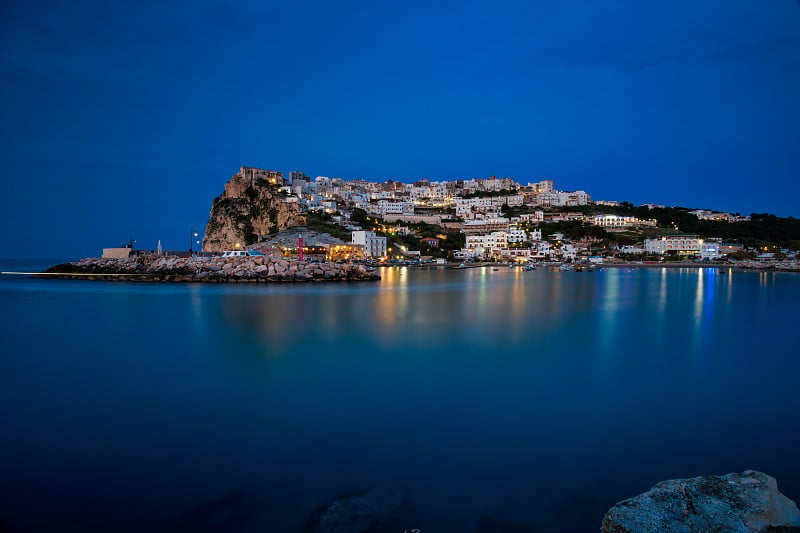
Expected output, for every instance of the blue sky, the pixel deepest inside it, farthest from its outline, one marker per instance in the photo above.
(125, 119)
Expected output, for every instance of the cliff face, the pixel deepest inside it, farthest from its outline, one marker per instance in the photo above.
(249, 208)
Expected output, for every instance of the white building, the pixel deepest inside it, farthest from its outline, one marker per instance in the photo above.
(489, 244)
(389, 207)
(484, 226)
(682, 244)
(630, 249)
(374, 246)
(569, 251)
(572, 198)
(561, 198)
(517, 235)
(543, 249)
(710, 251)
(541, 186)
(705, 214)
(492, 241)
(615, 222)
(465, 207)
(536, 216)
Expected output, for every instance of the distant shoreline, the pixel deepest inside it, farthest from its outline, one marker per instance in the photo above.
(748, 266)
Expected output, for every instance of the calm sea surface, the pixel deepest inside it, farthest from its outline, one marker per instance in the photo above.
(537, 397)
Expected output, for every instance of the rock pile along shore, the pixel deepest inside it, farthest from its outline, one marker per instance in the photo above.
(210, 270)
(737, 503)
(788, 266)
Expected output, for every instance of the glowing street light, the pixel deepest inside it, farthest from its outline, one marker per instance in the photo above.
(193, 240)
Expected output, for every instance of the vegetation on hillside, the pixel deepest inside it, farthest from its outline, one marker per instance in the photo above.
(762, 229)
(323, 223)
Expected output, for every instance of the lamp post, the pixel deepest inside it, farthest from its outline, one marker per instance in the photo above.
(192, 238)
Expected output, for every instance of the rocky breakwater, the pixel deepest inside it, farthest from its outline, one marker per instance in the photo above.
(785, 266)
(733, 503)
(210, 270)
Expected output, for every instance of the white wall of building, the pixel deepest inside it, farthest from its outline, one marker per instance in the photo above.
(676, 243)
(374, 246)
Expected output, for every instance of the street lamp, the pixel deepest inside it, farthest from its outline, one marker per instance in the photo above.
(193, 240)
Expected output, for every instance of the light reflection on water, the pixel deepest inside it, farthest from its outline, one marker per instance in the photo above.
(481, 392)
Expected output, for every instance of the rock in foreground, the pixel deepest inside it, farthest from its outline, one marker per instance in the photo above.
(377, 510)
(733, 503)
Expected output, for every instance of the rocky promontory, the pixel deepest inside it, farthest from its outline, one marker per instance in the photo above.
(250, 207)
(734, 503)
(264, 268)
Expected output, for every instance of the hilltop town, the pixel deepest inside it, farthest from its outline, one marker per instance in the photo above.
(480, 219)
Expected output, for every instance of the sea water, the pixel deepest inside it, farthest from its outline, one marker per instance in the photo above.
(538, 397)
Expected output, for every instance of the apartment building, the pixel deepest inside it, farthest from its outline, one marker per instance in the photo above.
(374, 246)
(681, 244)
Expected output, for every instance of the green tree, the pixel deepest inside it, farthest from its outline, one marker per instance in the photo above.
(359, 216)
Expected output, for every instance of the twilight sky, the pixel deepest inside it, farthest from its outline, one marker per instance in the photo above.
(124, 119)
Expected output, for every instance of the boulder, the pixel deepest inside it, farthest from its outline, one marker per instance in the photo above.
(734, 503)
(376, 510)
(237, 511)
(494, 525)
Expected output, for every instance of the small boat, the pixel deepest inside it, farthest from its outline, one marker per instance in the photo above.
(564, 268)
(528, 268)
(495, 269)
(241, 253)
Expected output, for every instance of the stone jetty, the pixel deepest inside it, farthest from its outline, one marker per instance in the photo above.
(737, 503)
(781, 266)
(253, 269)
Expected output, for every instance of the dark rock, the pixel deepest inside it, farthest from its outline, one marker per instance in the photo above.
(494, 525)
(733, 503)
(233, 512)
(64, 268)
(371, 511)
